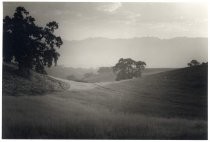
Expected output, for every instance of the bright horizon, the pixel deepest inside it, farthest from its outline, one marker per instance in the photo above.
(122, 20)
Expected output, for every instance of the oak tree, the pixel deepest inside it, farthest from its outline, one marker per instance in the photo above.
(30, 45)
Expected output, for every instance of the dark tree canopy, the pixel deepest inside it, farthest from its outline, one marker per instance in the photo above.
(28, 44)
(193, 63)
(128, 68)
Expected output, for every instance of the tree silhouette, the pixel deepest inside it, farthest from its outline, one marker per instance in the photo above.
(140, 65)
(193, 63)
(30, 45)
(128, 68)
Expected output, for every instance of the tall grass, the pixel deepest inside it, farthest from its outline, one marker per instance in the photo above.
(52, 117)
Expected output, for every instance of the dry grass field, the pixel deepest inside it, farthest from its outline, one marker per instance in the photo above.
(167, 105)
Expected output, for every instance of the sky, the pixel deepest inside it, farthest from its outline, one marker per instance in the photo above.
(79, 21)
(120, 20)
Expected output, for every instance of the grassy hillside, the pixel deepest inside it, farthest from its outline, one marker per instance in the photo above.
(167, 105)
(100, 77)
(180, 93)
(78, 74)
(65, 72)
(37, 84)
(110, 76)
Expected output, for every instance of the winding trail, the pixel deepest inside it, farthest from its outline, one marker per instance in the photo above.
(74, 85)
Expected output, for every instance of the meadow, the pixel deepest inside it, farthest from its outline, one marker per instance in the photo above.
(167, 105)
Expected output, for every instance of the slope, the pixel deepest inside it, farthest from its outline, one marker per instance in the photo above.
(37, 84)
(169, 105)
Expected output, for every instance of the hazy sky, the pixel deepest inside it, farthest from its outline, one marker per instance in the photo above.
(79, 21)
(120, 20)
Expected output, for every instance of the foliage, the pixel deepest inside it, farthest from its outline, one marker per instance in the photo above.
(204, 64)
(193, 63)
(31, 46)
(128, 68)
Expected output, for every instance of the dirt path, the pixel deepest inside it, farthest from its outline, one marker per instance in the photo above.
(74, 85)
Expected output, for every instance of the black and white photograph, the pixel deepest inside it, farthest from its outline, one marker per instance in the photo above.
(105, 70)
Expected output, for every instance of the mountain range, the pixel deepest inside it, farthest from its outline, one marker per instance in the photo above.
(156, 52)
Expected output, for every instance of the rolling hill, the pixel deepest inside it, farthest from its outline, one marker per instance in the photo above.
(65, 72)
(16, 85)
(78, 74)
(166, 105)
(110, 76)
